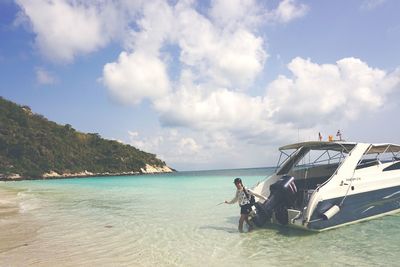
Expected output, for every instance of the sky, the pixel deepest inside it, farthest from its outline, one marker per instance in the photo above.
(207, 84)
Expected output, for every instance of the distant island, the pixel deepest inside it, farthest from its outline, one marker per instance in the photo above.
(32, 147)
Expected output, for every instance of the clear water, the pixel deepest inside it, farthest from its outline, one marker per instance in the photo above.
(173, 220)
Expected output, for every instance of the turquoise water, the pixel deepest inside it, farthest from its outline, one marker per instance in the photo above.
(173, 220)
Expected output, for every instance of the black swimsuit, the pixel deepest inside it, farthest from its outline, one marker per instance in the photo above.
(245, 209)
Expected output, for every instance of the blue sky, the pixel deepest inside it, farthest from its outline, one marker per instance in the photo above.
(207, 84)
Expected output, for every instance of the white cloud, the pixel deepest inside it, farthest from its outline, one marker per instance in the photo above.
(186, 149)
(288, 10)
(63, 29)
(213, 55)
(216, 110)
(372, 4)
(155, 28)
(44, 77)
(189, 144)
(220, 51)
(239, 59)
(136, 76)
(66, 28)
(318, 94)
(237, 13)
(315, 95)
(221, 55)
(170, 144)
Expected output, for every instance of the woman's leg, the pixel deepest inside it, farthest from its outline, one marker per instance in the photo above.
(248, 223)
(241, 220)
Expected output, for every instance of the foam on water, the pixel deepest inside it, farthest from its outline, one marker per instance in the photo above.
(27, 202)
(173, 220)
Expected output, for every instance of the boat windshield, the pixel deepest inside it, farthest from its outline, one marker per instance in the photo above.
(311, 165)
(284, 156)
(313, 161)
(315, 158)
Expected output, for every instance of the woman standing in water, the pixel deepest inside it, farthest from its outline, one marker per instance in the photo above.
(243, 196)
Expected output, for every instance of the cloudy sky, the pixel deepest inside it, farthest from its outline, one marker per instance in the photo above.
(207, 84)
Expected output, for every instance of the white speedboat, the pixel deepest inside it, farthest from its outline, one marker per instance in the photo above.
(323, 185)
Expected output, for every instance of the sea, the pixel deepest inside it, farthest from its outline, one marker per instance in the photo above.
(171, 220)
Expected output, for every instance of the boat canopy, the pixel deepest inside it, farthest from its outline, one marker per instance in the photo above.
(342, 146)
(321, 145)
(384, 148)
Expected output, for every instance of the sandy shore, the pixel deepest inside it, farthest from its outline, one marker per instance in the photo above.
(16, 228)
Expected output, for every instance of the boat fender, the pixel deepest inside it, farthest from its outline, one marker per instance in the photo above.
(330, 212)
(324, 206)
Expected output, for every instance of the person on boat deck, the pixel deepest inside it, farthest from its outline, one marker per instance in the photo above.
(243, 197)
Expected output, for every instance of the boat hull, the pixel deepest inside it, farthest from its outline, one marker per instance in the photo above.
(356, 208)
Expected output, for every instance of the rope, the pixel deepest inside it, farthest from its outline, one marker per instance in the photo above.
(348, 188)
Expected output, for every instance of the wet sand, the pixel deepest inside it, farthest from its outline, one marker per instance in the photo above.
(16, 228)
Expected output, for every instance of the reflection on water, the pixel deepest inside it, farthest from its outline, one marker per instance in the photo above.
(170, 220)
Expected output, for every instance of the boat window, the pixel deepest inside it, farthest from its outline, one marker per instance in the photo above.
(392, 167)
(376, 155)
(284, 156)
(293, 159)
(367, 163)
(313, 163)
(320, 158)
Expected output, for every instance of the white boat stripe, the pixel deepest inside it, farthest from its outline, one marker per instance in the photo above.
(395, 193)
(368, 209)
(361, 220)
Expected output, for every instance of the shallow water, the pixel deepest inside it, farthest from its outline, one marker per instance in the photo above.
(172, 220)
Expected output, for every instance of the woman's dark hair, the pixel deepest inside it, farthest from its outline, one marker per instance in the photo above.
(237, 181)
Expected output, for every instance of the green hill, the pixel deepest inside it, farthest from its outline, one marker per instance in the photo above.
(31, 145)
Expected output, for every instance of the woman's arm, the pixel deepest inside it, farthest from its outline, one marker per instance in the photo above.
(234, 200)
(257, 195)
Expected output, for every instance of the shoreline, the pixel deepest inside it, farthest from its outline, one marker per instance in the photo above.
(51, 175)
(77, 176)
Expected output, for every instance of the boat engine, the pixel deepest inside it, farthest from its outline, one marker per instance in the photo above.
(282, 197)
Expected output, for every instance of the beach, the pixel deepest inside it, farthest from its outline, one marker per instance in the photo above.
(17, 229)
(168, 220)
